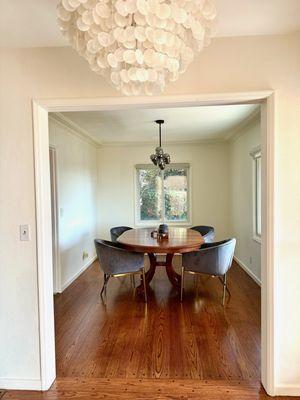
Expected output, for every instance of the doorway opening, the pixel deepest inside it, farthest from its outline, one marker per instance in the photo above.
(209, 288)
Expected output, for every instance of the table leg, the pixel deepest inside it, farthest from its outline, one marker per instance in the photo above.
(149, 274)
(174, 278)
(151, 271)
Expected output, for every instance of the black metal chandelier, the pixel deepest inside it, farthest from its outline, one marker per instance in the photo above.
(160, 159)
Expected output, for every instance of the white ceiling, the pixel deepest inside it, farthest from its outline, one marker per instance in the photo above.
(32, 23)
(189, 124)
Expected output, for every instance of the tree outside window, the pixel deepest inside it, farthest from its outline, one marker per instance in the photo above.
(163, 196)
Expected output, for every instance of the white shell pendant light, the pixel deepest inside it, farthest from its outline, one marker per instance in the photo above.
(138, 45)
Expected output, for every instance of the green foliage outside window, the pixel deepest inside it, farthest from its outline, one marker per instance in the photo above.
(163, 192)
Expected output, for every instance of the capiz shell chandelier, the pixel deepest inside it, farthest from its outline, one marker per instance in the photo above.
(138, 45)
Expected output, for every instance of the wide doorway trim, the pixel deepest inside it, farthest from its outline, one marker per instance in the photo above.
(42, 107)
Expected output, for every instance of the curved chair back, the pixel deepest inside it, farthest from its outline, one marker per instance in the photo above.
(115, 260)
(208, 232)
(211, 258)
(117, 231)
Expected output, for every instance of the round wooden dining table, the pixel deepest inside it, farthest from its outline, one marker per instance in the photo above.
(180, 240)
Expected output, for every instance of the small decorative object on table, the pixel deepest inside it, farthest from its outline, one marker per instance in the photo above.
(161, 233)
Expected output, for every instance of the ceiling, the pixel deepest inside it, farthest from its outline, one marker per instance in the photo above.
(188, 124)
(32, 23)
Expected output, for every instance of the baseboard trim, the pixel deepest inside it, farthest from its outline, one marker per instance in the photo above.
(82, 269)
(288, 390)
(247, 270)
(20, 384)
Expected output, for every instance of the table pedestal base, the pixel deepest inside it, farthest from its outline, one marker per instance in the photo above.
(174, 278)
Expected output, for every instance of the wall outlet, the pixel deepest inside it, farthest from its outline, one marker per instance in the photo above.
(85, 255)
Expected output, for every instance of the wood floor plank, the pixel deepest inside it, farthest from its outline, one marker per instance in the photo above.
(124, 338)
(122, 348)
(146, 389)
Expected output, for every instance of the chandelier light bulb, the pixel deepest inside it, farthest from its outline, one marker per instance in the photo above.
(158, 39)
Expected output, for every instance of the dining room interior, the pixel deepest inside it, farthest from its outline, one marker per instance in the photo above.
(156, 217)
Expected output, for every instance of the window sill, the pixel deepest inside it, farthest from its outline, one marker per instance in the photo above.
(157, 223)
(257, 239)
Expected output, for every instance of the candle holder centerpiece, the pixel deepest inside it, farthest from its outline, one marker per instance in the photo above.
(162, 233)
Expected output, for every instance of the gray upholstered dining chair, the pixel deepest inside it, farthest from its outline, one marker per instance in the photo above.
(115, 261)
(208, 232)
(117, 231)
(211, 259)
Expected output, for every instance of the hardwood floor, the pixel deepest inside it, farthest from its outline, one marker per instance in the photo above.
(197, 349)
(125, 338)
(146, 389)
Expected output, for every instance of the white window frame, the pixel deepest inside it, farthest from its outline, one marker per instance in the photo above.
(149, 223)
(256, 155)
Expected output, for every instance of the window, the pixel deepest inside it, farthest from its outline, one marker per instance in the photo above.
(256, 154)
(162, 196)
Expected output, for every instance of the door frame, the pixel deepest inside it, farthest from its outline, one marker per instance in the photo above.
(55, 221)
(41, 108)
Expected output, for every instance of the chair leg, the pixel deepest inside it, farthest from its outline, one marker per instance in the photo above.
(182, 283)
(132, 281)
(106, 279)
(224, 289)
(144, 284)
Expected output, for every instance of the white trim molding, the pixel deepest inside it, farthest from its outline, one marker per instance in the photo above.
(251, 120)
(288, 390)
(78, 273)
(44, 246)
(42, 107)
(75, 129)
(20, 384)
(247, 270)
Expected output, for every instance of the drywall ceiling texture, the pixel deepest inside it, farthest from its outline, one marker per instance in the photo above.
(188, 124)
(228, 65)
(32, 23)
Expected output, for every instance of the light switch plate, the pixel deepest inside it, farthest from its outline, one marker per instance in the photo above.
(24, 233)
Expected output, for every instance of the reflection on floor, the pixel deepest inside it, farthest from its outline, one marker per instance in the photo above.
(124, 338)
(125, 349)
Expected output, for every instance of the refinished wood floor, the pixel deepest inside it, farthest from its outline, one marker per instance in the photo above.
(197, 349)
(125, 338)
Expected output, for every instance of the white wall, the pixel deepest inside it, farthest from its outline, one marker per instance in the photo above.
(241, 184)
(228, 65)
(77, 183)
(209, 165)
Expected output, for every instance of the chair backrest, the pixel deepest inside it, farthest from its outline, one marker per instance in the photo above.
(208, 232)
(117, 231)
(114, 259)
(211, 258)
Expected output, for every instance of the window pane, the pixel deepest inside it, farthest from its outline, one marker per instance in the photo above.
(150, 190)
(176, 196)
(258, 196)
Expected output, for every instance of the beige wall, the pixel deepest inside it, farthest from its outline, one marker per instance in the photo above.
(209, 173)
(228, 65)
(77, 182)
(247, 249)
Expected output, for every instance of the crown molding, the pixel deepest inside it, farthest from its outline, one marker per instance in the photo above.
(253, 118)
(165, 144)
(230, 135)
(75, 129)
